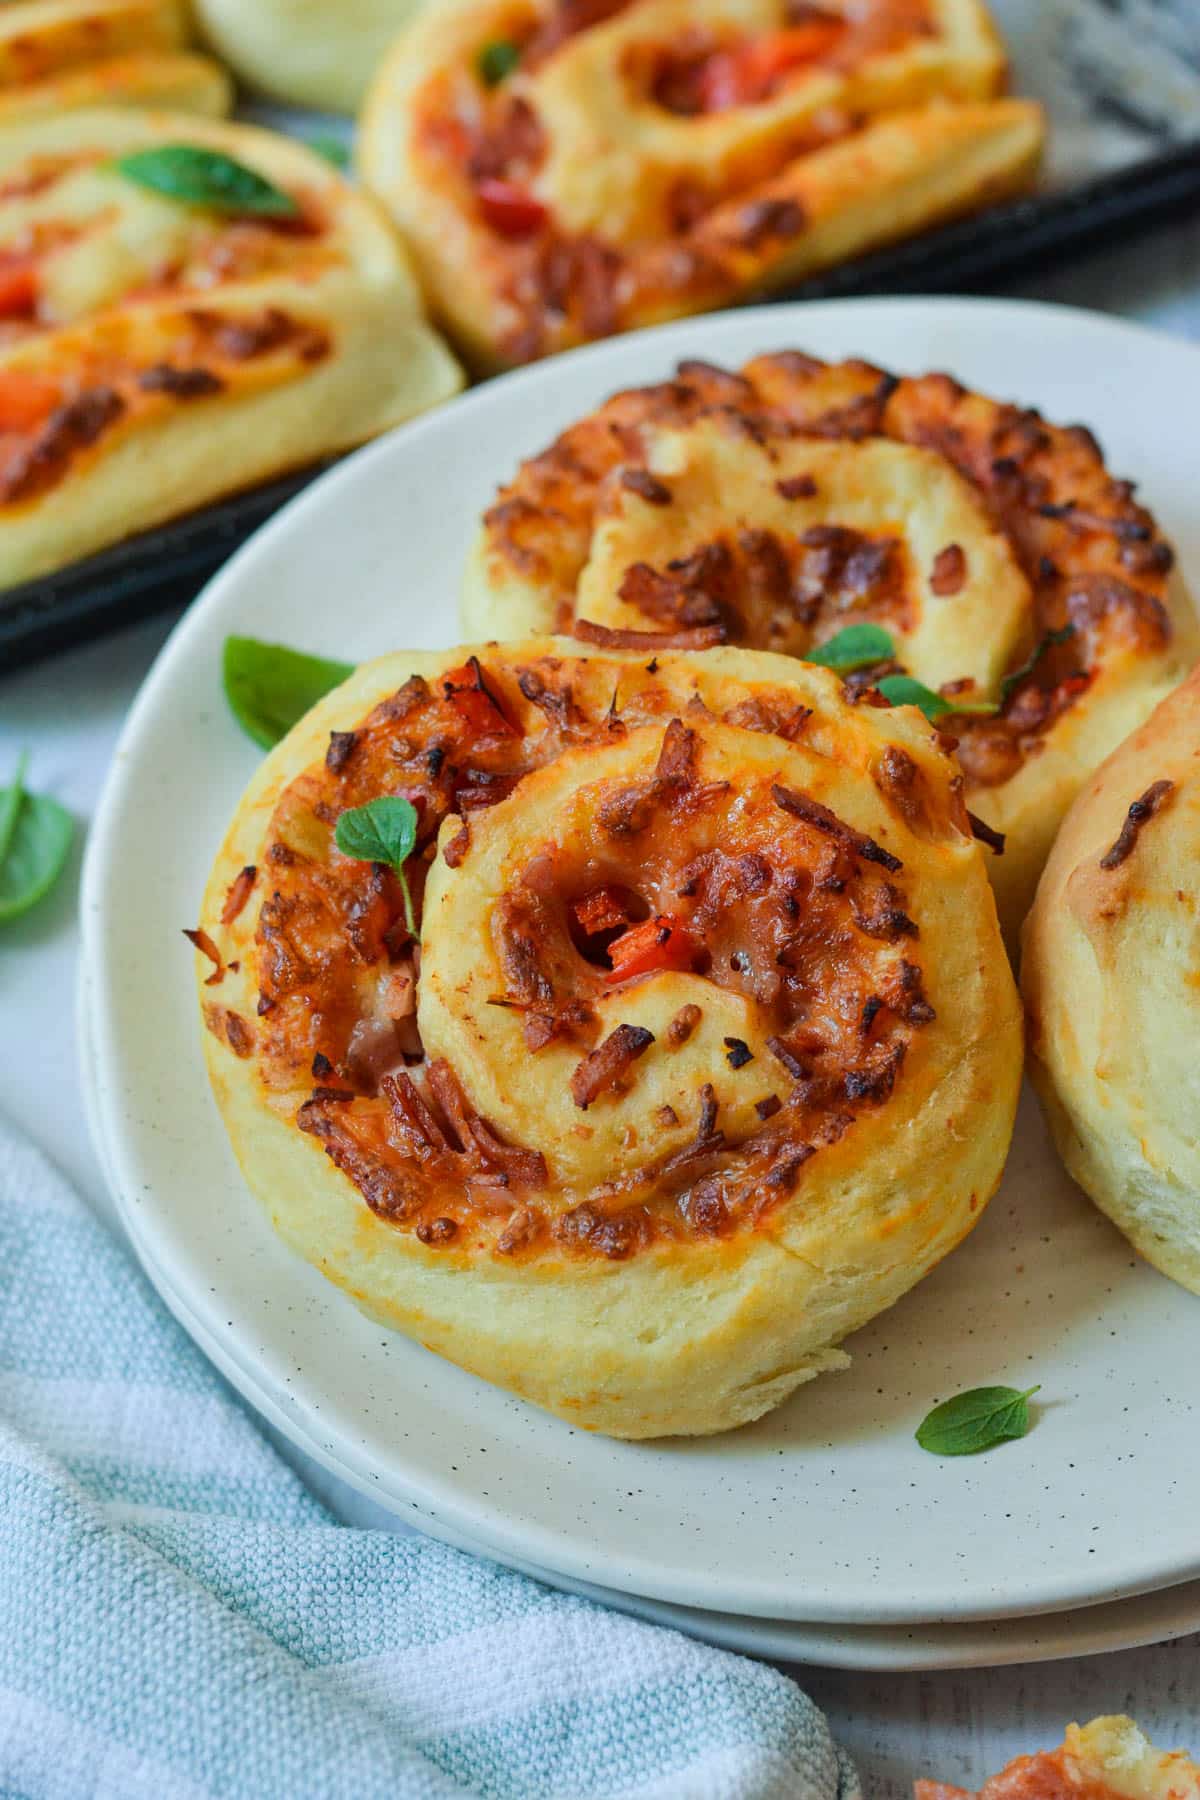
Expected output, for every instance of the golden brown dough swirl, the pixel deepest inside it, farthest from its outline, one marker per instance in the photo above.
(1111, 975)
(566, 169)
(777, 505)
(706, 1048)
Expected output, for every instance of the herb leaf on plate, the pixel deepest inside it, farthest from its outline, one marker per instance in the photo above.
(382, 831)
(270, 687)
(976, 1420)
(857, 647)
(35, 837)
(197, 176)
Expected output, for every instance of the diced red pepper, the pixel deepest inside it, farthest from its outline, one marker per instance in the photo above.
(18, 290)
(750, 73)
(655, 944)
(509, 209)
(601, 910)
(479, 707)
(26, 401)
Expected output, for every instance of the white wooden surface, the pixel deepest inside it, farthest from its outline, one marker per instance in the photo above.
(957, 1726)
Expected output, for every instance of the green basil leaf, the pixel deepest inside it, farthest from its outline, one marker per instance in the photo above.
(199, 177)
(10, 804)
(270, 687)
(1013, 681)
(857, 647)
(497, 60)
(906, 690)
(38, 840)
(382, 831)
(975, 1421)
(335, 150)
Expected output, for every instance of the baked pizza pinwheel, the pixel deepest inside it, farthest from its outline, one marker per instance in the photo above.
(1002, 565)
(566, 169)
(310, 52)
(628, 1029)
(186, 307)
(60, 54)
(1110, 975)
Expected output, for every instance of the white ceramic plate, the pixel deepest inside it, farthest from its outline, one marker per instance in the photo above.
(826, 1509)
(1120, 1625)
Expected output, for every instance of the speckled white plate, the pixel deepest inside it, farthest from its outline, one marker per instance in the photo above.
(1151, 1618)
(826, 1509)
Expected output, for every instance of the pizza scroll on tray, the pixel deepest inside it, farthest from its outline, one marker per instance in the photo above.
(697, 1049)
(566, 169)
(59, 54)
(157, 353)
(777, 506)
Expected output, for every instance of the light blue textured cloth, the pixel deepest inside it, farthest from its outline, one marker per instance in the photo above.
(180, 1618)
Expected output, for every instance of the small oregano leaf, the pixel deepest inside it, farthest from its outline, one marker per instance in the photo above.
(975, 1421)
(196, 176)
(35, 837)
(382, 831)
(270, 687)
(497, 60)
(906, 690)
(857, 647)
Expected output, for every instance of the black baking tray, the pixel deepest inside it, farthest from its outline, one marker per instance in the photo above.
(166, 567)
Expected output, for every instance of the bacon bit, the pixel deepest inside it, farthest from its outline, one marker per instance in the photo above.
(655, 945)
(703, 638)
(689, 595)
(761, 220)
(704, 1209)
(389, 1193)
(242, 339)
(71, 427)
(206, 947)
(181, 384)
(455, 849)
(949, 571)
(707, 1141)
(334, 1096)
(797, 487)
(467, 690)
(18, 290)
(813, 813)
(601, 910)
(437, 1231)
(605, 1065)
(321, 1066)
(240, 889)
(521, 1230)
(647, 486)
(615, 1236)
(1140, 812)
(874, 1081)
(239, 1035)
(737, 1052)
(986, 834)
(557, 706)
(683, 1024)
(785, 1053)
(418, 1129)
(667, 1116)
(342, 745)
(766, 1109)
(510, 210)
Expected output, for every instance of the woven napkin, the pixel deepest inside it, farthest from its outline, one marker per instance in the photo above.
(180, 1617)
